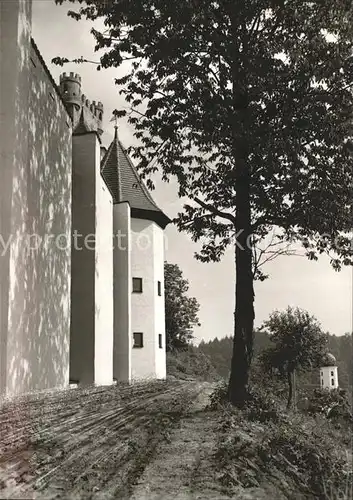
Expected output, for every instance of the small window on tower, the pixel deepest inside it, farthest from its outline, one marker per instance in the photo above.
(331, 374)
(159, 286)
(160, 341)
(322, 381)
(332, 381)
(137, 285)
(138, 339)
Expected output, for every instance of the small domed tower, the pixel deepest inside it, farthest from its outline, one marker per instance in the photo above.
(70, 90)
(329, 372)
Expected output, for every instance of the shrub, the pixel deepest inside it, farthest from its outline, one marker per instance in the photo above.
(219, 396)
(190, 363)
(314, 462)
(285, 452)
(333, 405)
(262, 405)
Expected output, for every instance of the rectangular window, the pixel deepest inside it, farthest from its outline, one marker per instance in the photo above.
(160, 341)
(138, 339)
(159, 286)
(332, 381)
(322, 381)
(137, 285)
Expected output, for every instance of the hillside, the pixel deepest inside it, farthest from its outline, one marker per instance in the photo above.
(164, 440)
(219, 353)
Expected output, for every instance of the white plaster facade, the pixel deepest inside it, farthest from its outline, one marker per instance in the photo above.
(122, 292)
(104, 305)
(147, 308)
(35, 214)
(91, 339)
(329, 377)
(67, 310)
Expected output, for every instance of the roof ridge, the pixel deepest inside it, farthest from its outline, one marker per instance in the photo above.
(117, 142)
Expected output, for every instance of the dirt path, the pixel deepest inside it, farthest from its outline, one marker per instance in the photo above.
(144, 442)
(83, 443)
(98, 443)
(181, 467)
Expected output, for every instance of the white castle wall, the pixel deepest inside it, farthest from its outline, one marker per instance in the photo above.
(122, 292)
(147, 308)
(91, 341)
(35, 212)
(104, 307)
(159, 312)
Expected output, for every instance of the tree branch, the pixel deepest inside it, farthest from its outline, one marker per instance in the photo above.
(215, 211)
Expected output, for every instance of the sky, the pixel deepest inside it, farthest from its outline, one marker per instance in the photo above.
(294, 281)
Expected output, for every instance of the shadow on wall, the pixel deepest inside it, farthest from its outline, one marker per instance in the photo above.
(40, 260)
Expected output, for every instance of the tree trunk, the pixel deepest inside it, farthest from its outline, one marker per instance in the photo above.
(244, 287)
(290, 390)
(244, 292)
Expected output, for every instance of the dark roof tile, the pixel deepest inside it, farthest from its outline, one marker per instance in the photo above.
(124, 183)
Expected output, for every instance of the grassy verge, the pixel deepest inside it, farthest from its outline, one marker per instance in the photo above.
(300, 456)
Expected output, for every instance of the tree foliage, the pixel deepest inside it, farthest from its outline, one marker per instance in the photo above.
(299, 344)
(180, 310)
(248, 105)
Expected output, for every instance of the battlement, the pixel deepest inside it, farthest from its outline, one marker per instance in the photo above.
(96, 108)
(71, 77)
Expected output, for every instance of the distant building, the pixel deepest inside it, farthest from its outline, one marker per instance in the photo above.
(329, 373)
(81, 239)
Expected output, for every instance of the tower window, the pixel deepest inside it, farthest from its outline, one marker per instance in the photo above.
(332, 381)
(331, 374)
(322, 381)
(138, 339)
(137, 285)
(160, 341)
(159, 287)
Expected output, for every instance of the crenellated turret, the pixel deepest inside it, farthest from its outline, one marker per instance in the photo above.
(70, 90)
(88, 114)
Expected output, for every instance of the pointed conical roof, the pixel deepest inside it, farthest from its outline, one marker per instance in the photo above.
(125, 185)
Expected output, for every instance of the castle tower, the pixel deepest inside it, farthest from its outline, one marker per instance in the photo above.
(86, 116)
(70, 90)
(139, 318)
(329, 373)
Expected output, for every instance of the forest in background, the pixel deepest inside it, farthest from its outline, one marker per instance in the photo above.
(219, 352)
